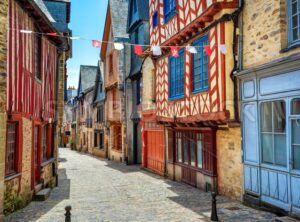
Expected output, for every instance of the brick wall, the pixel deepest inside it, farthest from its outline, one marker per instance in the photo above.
(229, 162)
(265, 31)
(3, 76)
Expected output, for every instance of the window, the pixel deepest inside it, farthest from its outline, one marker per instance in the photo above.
(189, 148)
(11, 149)
(294, 21)
(169, 9)
(273, 133)
(37, 56)
(110, 63)
(100, 114)
(114, 98)
(176, 76)
(155, 20)
(44, 143)
(295, 134)
(99, 139)
(200, 66)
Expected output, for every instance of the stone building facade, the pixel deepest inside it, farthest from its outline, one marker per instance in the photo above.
(270, 93)
(84, 108)
(115, 67)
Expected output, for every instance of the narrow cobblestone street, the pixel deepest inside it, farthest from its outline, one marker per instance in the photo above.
(100, 190)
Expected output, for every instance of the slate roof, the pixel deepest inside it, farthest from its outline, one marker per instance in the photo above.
(60, 11)
(98, 94)
(87, 77)
(119, 14)
(44, 9)
(143, 13)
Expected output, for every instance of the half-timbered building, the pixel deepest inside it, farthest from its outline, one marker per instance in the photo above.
(35, 66)
(195, 94)
(116, 64)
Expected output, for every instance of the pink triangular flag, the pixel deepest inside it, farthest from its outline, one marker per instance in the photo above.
(138, 50)
(207, 50)
(52, 34)
(96, 43)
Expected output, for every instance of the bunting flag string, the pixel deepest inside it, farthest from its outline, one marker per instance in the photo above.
(138, 48)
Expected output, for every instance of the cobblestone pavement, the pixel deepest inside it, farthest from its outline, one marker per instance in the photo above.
(100, 190)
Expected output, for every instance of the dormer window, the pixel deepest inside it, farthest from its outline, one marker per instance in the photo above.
(169, 9)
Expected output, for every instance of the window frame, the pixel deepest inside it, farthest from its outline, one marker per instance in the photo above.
(292, 42)
(16, 150)
(201, 41)
(188, 139)
(181, 76)
(292, 117)
(270, 165)
(169, 12)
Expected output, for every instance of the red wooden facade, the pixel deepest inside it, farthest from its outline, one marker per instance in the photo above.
(31, 84)
(194, 112)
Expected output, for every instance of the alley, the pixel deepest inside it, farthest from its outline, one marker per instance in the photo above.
(101, 190)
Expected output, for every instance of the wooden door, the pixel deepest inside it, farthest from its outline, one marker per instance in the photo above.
(155, 150)
(36, 155)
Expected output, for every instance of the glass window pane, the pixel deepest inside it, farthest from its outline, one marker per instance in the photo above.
(296, 132)
(186, 147)
(192, 149)
(267, 148)
(179, 147)
(266, 117)
(199, 151)
(280, 150)
(296, 106)
(296, 157)
(279, 116)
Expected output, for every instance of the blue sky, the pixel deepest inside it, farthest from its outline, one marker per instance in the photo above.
(87, 20)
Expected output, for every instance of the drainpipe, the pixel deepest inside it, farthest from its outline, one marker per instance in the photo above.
(237, 58)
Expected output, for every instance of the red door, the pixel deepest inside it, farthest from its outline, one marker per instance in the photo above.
(155, 150)
(36, 155)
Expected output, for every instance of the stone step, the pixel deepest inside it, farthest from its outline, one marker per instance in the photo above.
(42, 195)
(285, 219)
(38, 187)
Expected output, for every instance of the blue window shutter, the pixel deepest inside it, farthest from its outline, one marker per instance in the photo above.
(155, 19)
(200, 66)
(169, 9)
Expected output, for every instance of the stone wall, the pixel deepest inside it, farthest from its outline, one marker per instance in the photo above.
(3, 76)
(148, 96)
(265, 32)
(229, 162)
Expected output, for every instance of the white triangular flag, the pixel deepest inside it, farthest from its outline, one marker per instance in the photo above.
(223, 49)
(75, 37)
(156, 50)
(191, 49)
(26, 31)
(118, 46)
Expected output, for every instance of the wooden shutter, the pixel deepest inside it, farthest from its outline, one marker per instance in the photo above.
(171, 148)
